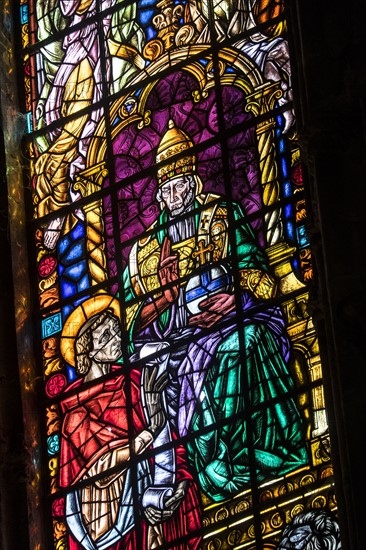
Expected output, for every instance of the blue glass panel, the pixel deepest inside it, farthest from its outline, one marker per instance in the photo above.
(73, 253)
(63, 245)
(67, 289)
(76, 271)
(24, 14)
(53, 444)
(302, 236)
(78, 232)
(71, 374)
(84, 283)
(51, 325)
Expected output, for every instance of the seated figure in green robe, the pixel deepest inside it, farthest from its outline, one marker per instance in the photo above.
(230, 393)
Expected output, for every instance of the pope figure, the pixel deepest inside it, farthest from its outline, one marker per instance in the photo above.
(229, 393)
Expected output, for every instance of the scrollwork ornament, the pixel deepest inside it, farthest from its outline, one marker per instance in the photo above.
(153, 49)
(214, 544)
(101, 176)
(49, 347)
(327, 472)
(251, 530)
(266, 496)
(319, 502)
(285, 488)
(197, 96)
(53, 466)
(146, 120)
(61, 544)
(205, 521)
(296, 510)
(275, 96)
(234, 537)
(242, 506)
(308, 479)
(170, 15)
(221, 514)
(276, 520)
(262, 100)
(184, 35)
(25, 35)
(53, 421)
(47, 283)
(210, 68)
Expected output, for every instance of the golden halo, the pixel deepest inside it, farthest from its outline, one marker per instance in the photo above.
(81, 315)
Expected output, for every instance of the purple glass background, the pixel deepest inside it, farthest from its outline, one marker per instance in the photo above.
(135, 150)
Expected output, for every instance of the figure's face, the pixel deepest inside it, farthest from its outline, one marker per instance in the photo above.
(107, 342)
(174, 193)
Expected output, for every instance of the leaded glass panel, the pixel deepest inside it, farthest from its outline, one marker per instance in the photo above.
(183, 397)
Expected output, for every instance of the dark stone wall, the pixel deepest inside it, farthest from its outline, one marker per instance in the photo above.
(328, 42)
(13, 499)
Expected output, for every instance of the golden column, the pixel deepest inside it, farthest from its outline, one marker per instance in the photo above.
(261, 103)
(89, 182)
(299, 323)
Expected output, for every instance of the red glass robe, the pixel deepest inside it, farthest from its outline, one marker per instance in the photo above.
(95, 421)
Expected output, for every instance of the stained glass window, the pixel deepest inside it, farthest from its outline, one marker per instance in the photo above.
(182, 383)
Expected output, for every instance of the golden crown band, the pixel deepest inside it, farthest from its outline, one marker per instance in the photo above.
(184, 167)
